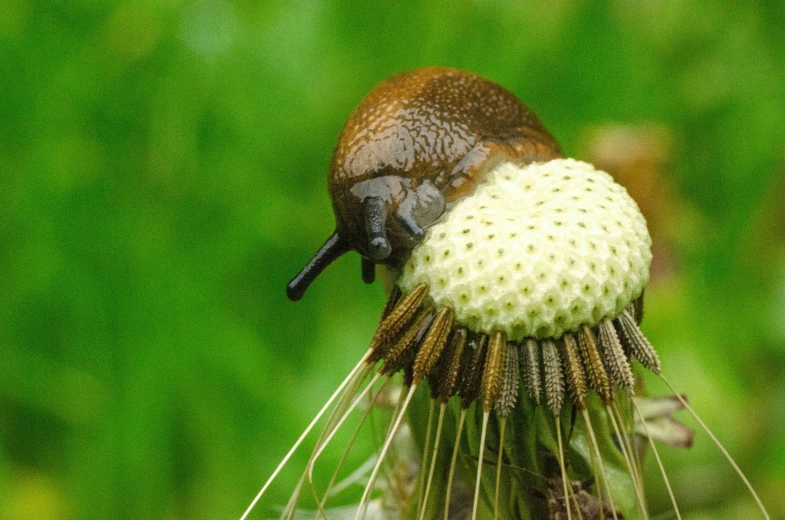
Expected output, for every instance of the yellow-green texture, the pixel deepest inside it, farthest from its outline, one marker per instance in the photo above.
(536, 251)
(163, 175)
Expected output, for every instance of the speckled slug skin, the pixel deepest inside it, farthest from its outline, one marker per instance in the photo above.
(536, 251)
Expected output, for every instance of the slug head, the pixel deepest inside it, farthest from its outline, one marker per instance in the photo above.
(419, 142)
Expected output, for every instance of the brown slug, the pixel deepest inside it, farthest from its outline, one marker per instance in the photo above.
(416, 144)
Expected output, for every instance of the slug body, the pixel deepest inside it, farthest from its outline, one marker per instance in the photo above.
(419, 142)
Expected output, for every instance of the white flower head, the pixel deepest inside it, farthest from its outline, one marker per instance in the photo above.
(537, 251)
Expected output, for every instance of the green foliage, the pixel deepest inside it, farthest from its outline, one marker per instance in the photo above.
(162, 176)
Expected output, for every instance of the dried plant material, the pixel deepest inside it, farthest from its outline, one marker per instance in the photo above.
(658, 412)
(433, 344)
(492, 375)
(395, 358)
(472, 382)
(565, 486)
(628, 460)
(659, 460)
(437, 374)
(362, 508)
(632, 312)
(592, 363)
(502, 428)
(339, 392)
(389, 304)
(637, 305)
(423, 507)
(637, 344)
(615, 360)
(508, 393)
(576, 379)
(399, 317)
(452, 369)
(717, 442)
(597, 462)
(408, 368)
(554, 377)
(562, 502)
(530, 368)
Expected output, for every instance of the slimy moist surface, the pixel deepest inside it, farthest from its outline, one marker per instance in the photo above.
(537, 251)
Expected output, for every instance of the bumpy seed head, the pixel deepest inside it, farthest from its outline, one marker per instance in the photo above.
(537, 251)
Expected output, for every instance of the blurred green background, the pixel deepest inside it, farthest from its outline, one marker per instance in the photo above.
(163, 175)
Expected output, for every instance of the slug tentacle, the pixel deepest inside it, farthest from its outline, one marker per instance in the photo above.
(375, 213)
(327, 254)
(368, 269)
